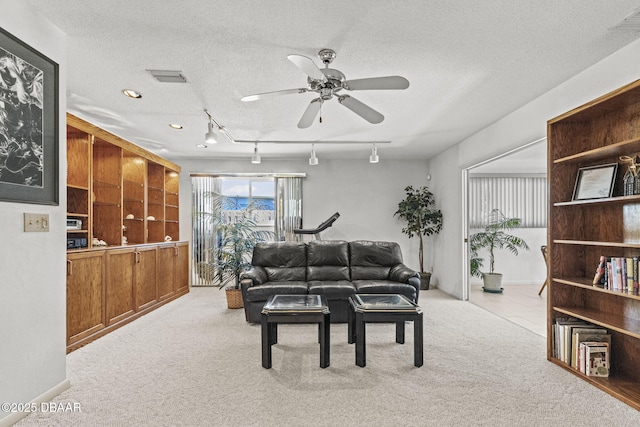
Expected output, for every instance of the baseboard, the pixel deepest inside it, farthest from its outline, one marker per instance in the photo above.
(47, 396)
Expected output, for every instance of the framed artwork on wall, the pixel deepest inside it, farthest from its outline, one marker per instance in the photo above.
(28, 124)
(595, 182)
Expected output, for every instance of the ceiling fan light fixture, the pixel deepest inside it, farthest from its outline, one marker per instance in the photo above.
(313, 160)
(374, 158)
(255, 159)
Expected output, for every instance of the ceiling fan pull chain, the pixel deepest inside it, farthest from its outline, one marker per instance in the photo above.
(320, 113)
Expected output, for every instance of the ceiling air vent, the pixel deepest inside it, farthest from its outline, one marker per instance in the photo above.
(168, 76)
(630, 23)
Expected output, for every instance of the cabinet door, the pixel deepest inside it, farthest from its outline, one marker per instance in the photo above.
(145, 277)
(182, 267)
(119, 289)
(166, 270)
(85, 294)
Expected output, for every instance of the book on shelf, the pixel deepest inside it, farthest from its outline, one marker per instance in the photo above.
(618, 274)
(586, 334)
(594, 358)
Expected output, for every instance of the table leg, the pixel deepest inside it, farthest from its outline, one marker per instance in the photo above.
(325, 326)
(351, 332)
(361, 356)
(417, 341)
(400, 332)
(266, 342)
(273, 333)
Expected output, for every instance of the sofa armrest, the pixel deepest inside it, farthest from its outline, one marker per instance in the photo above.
(401, 273)
(256, 275)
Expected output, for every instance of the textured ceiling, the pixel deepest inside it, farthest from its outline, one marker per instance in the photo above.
(469, 63)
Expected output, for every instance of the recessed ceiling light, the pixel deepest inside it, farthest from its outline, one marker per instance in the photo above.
(175, 126)
(201, 146)
(132, 93)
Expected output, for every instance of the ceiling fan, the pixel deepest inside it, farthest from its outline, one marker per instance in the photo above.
(328, 82)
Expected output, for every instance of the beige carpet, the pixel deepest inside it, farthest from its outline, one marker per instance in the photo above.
(195, 363)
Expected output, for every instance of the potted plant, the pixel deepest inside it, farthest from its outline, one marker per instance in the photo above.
(417, 210)
(236, 233)
(494, 237)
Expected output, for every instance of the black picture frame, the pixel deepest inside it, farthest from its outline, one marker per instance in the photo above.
(29, 121)
(595, 182)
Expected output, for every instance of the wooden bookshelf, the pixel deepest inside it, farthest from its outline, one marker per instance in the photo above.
(580, 231)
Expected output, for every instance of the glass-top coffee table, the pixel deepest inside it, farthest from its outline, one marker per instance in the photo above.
(294, 309)
(384, 308)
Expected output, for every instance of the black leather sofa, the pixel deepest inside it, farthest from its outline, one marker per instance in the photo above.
(334, 268)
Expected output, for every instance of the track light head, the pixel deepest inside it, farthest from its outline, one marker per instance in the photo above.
(313, 160)
(255, 159)
(373, 158)
(210, 137)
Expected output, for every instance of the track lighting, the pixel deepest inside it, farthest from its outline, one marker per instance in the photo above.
(313, 160)
(373, 158)
(256, 157)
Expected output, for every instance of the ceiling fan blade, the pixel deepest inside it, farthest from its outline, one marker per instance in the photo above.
(310, 113)
(378, 83)
(258, 96)
(364, 111)
(307, 65)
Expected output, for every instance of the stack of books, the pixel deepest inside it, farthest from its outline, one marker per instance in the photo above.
(583, 346)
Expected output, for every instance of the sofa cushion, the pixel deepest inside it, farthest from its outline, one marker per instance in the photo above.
(385, 287)
(327, 260)
(333, 290)
(282, 261)
(373, 260)
(264, 291)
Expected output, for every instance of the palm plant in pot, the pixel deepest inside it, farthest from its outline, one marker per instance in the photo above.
(235, 232)
(493, 238)
(422, 219)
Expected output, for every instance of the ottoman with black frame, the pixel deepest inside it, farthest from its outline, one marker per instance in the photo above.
(384, 308)
(295, 309)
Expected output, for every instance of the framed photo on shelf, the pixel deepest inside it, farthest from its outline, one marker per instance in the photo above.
(595, 182)
(28, 124)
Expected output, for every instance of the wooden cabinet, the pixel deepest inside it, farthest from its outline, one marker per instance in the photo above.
(580, 231)
(107, 288)
(85, 294)
(119, 301)
(173, 269)
(128, 198)
(145, 280)
(118, 190)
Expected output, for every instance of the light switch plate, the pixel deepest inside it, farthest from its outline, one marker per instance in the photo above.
(36, 222)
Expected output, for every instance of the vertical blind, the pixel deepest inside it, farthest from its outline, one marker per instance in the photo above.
(288, 207)
(517, 197)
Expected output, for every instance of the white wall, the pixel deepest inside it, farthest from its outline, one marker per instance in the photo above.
(32, 265)
(524, 125)
(366, 195)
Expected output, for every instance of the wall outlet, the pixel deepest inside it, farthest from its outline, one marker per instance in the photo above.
(36, 222)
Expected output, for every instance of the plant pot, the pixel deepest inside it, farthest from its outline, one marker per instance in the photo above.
(425, 278)
(234, 298)
(492, 282)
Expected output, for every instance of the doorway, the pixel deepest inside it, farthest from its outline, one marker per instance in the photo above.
(519, 175)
